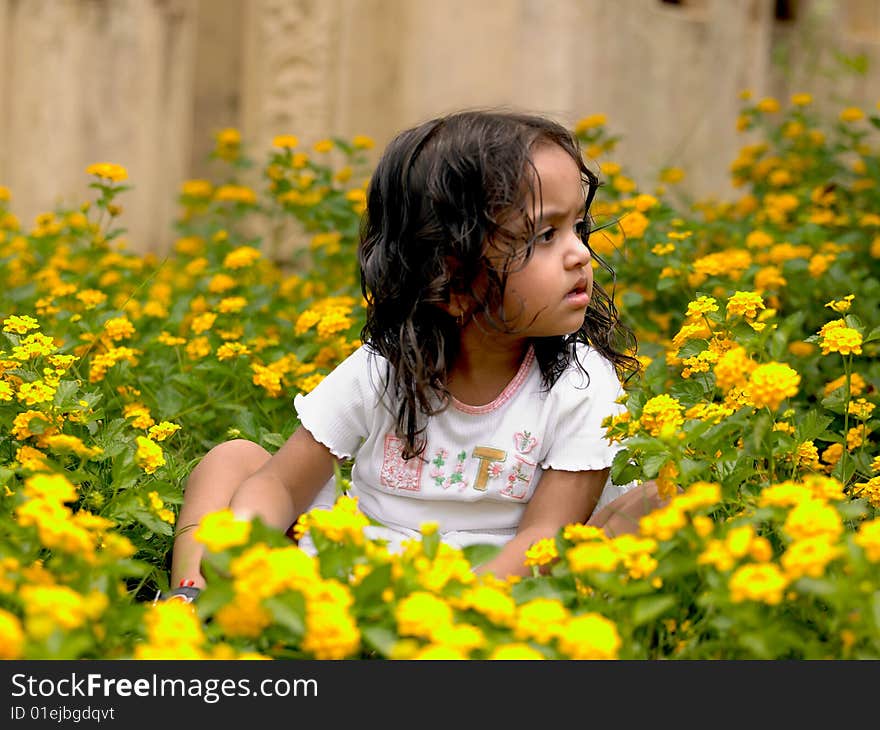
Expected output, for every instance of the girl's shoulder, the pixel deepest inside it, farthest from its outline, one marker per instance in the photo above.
(589, 368)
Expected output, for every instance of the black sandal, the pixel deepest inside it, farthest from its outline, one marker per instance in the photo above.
(186, 592)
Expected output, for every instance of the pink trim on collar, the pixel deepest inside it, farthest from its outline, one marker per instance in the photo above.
(506, 394)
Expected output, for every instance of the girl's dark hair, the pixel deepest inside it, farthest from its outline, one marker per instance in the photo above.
(438, 202)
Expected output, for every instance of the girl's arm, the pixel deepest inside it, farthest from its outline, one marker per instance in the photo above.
(561, 498)
(283, 488)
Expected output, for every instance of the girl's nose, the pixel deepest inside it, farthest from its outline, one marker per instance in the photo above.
(577, 252)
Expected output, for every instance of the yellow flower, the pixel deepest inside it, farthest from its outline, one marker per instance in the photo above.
(196, 189)
(868, 538)
(139, 414)
(231, 350)
(666, 480)
(231, 305)
(323, 145)
(542, 552)
(241, 257)
(421, 614)
(661, 415)
(507, 652)
(163, 430)
(362, 142)
(671, 175)
(590, 636)
(91, 298)
(11, 636)
(768, 105)
(20, 324)
(149, 455)
(745, 304)
(590, 122)
(851, 114)
(835, 336)
(221, 530)
(813, 518)
(590, 556)
(701, 305)
(174, 631)
(494, 603)
(65, 442)
(540, 619)
(802, 99)
(771, 383)
(809, 556)
(37, 392)
(461, 637)
(244, 616)
(285, 141)
(331, 632)
(764, 583)
(108, 171)
(235, 194)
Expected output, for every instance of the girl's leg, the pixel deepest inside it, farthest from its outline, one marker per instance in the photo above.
(623, 514)
(209, 488)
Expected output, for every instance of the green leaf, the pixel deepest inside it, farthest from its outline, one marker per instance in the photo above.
(692, 348)
(622, 471)
(873, 335)
(811, 426)
(370, 588)
(530, 588)
(479, 554)
(652, 463)
(381, 638)
(289, 611)
(273, 439)
(875, 609)
(757, 645)
(648, 608)
(688, 392)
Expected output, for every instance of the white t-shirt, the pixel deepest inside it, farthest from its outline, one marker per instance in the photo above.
(482, 463)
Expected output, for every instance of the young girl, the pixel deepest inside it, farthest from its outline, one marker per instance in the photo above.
(489, 361)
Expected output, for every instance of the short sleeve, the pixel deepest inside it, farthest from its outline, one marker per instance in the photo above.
(581, 403)
(336, 412)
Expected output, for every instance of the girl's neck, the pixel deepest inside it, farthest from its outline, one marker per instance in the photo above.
(485, 364)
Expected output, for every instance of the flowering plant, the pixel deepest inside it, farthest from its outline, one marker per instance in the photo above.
(755, 414)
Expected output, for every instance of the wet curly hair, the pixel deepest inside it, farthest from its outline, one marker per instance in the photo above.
(439, 207)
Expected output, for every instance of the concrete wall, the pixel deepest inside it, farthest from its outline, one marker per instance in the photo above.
(145, 82)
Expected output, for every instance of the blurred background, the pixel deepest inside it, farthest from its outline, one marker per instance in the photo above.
(147, 83)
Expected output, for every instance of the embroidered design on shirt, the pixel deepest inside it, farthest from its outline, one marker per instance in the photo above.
(524, 441)
(397, 472)
(491, 464)
(438, 474)
(519, 478)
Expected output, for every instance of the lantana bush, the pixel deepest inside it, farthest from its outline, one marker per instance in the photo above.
(757, 320)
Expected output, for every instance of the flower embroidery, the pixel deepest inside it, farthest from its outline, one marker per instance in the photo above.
(438, 474)
(519, 478)
(397, 472)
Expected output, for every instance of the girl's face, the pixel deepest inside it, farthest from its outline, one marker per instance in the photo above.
(548, 296)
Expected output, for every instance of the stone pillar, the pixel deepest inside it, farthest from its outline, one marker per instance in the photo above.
(105, 80)
(217, 84)
(290, 71)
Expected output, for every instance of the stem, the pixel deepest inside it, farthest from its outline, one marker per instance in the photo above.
(847, 395)
(772, 464)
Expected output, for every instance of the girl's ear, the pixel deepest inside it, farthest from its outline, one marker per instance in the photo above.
(458, 305)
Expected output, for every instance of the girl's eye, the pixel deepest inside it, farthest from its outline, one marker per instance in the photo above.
(546, 236)
(582, 228)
